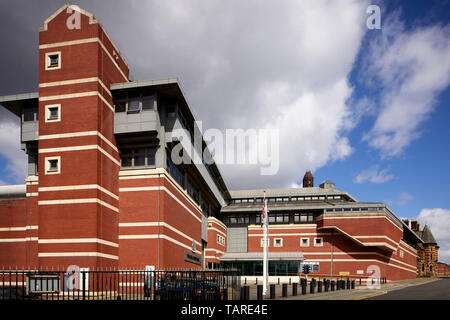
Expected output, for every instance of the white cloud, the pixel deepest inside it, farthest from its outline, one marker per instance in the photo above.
(16, 167)
(412, 68)
(404, 198)
(260, 65)
(438, 220)
(374, 175)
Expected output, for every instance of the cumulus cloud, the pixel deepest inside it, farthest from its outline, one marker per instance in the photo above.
(246, 64)
(438, 219)
(374, 175)
(16, 160)
(411, 68)
(264, 65)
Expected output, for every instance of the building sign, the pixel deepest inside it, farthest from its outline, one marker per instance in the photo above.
(193, 258)
(313, 266)
(344, 273)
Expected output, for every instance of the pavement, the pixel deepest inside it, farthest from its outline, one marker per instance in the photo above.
(390, 290)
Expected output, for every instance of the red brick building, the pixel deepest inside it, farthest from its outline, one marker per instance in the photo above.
(103, 189)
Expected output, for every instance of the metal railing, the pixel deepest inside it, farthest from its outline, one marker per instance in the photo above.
(129, 284)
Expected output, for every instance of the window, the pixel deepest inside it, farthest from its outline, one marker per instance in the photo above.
(53, 113)
(431, 268)
(318, 242)
(304, 242)
(278, 242)
(133, 106)
(30, 114)
(53, 60)
(220, 240)
(142, 157)
(304, 217)
(52, 165)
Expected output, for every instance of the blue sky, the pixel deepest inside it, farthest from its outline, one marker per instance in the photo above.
(367, 109)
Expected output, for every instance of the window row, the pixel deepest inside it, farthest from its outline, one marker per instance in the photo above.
(353, 209)
(286, 199)
(304, 242)
(274, 218)
(138, 157)
(135, 104)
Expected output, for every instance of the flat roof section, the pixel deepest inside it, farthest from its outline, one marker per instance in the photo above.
(16, 102)
(274, 256)
(287, 192)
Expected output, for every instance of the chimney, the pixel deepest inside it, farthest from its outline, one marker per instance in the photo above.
(406, 221)
(414, 225)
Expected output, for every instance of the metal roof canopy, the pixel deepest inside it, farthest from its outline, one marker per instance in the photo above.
(16, 102)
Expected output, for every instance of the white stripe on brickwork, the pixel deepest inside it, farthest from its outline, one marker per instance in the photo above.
(79, 187)
(80, 148)
(7, 229)
(74, 81)
(83, 41)
(135, 189)
(153, 236)
(77, 201)
(79, 240)
(19, 239)
(77, 95)
(78, 134)
(155, 224)
(77, 254)
(155, 173)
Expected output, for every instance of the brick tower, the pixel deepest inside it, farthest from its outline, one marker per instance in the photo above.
(78, 160)
(308, 180)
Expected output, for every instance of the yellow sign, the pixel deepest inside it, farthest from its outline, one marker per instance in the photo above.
(344, 273)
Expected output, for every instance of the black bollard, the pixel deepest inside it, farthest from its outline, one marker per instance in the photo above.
(303, 287)
(319, 286)
(247, 292)
(312, 286)
(294, 289)
(272, 291)
(326, 284)
(284, 290)
(259, 292)
(353, 284)
(332, 285)
(348, 283)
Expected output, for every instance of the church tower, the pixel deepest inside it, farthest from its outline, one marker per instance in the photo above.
(308, 180)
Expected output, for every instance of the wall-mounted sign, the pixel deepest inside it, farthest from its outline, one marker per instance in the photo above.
(193, 246)
(344, 273)
(313, 266)
(193, 258)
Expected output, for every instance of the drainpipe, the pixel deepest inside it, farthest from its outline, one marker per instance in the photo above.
(159, 190)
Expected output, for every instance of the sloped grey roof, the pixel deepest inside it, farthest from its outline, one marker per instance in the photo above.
(426, 235)
(286, 192)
